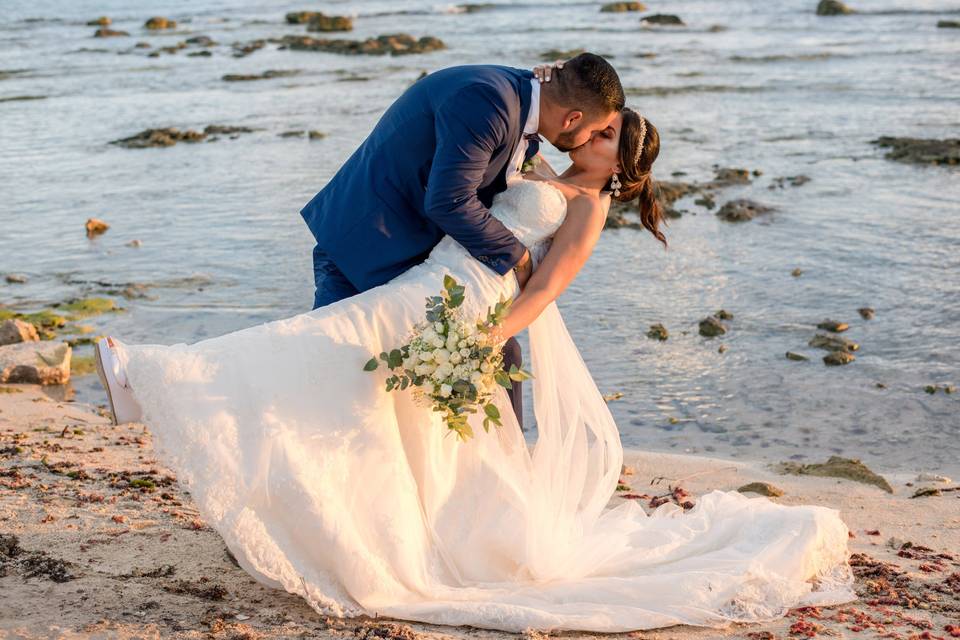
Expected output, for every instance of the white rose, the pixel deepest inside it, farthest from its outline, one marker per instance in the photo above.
(438, 342)
(468, 330)
(420, 370)
(456, 358)
(486, 367)
(451, 344)
(425, 356)
(446, 390)
(462, 344)
(465, 352)
(471, 339)
(428, 334)
(476, 378)
(441, 355)
(438, 327)
(410, 363)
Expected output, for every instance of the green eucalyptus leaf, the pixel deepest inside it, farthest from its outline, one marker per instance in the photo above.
(371, 365)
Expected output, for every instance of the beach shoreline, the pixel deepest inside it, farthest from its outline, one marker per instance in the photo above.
(99, 541)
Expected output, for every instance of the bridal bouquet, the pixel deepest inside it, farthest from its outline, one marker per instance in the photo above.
(453, 363)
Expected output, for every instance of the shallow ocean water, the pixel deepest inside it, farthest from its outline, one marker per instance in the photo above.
(776, 89)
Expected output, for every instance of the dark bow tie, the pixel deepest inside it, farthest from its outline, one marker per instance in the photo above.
(533, 145)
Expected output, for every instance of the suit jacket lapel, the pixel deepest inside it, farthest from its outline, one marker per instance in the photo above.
(516, 129)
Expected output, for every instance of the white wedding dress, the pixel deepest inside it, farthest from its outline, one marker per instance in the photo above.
(323, 484)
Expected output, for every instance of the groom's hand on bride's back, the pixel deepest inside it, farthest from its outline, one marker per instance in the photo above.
(524, 269)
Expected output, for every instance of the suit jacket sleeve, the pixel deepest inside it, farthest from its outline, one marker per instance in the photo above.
(470, 125)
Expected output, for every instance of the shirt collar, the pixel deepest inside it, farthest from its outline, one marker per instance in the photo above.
(533, 116)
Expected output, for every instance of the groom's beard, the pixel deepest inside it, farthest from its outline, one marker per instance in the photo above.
(565, 141)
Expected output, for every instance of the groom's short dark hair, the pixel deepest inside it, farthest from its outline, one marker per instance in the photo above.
(589, 83)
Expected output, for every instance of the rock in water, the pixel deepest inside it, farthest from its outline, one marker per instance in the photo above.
(394, 44)
(16, 278)
(711, 327)
(742, 210)
(866, 313)
(621, 7)
(833, 343)
(833, 325)
(324, 23)
(658, 332)
(948, 24)
(96, 227)
(663, 18)
(728, 176)
(833, 8)
(723, 315)
(763, 488)
(838, 467)
(921, 150)
(837, 358)
(796, 356)
(108, 33)
(102, 21)
(159, 22)
(35, 363)
(301, 17)
(15, 331)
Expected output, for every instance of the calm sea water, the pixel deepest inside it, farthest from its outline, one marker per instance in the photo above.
(774, 88)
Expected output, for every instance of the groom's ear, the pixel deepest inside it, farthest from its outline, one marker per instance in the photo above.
(572, 119)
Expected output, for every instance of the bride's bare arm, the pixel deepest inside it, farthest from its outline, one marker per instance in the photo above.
(572, 245)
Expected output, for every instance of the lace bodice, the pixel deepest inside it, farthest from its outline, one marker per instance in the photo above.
(533, 210)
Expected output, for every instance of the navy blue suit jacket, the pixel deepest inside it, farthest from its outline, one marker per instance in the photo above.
(430, 167)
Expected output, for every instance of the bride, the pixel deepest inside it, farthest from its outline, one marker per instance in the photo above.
(324, 485)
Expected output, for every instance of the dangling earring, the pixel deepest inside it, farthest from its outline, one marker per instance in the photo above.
(615, 184)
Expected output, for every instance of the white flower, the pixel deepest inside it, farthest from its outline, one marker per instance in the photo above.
(446, 390)
(486, 367)
(424, 369)
(476, 378)
(471, 339)
(438, 327)
(456, 358)
(451, 344)
(443, 371)
(441, 355)
(411, 362)
(465, 352)
(425, 356)
(428, 335)
(438, 342)
(463, 344)
(468, 330)
(452, 334)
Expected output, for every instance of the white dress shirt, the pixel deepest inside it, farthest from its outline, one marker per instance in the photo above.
(533, 123)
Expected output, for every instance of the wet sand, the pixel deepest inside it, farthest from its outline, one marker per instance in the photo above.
(97, 540)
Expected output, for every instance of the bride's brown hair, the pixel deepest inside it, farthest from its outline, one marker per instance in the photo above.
(636, 180)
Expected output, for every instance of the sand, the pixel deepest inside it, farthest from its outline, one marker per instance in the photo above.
(108, 546)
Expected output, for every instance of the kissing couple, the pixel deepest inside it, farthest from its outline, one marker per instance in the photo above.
(325, 485)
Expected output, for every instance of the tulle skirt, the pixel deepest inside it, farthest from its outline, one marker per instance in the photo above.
(362, 502)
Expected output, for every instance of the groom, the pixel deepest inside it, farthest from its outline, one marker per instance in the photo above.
(432, 165)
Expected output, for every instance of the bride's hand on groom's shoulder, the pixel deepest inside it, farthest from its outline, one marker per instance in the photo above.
(544, 72)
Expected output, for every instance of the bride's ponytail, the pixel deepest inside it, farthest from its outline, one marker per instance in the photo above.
(636, 179)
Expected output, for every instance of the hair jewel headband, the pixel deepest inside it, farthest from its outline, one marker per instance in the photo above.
(643, 137)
